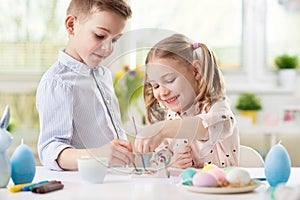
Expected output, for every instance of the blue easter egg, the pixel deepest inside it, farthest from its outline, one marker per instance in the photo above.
(187, 176)
(277, 165)
(22, 165)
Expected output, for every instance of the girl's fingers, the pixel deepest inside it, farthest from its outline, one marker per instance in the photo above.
(150, 149)
(186, 149)
(142, 147)
(183, 163)
(189, 164)
(145, 148)
(182, 160)
(138, 147)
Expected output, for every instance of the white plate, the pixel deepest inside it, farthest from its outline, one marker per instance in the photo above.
(222, 190)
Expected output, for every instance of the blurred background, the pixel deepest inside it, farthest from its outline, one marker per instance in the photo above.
(254, 42)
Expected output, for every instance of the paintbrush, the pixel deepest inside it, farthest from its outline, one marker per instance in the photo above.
(135, 129)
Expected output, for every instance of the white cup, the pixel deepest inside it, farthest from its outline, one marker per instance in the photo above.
(92, 169)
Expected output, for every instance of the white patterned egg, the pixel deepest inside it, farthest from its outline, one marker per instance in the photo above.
(238, 176)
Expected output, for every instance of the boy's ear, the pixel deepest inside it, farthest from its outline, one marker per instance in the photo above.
(70, 24)
(196, 69)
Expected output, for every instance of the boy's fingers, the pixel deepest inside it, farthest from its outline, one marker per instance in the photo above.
(122, 155)
(122, 150)
(124, 143)
(117, 161)
(120, 158)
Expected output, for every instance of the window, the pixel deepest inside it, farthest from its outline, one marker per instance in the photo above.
(283, 34)
(246, 35)
(31, 35)
(213, 22)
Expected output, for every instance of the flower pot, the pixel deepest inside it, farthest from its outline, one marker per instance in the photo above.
(287, 78)
(250, 113)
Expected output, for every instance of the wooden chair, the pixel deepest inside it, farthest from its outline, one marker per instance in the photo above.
(250, 157)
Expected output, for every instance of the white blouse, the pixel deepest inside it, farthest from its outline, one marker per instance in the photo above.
(222, 145)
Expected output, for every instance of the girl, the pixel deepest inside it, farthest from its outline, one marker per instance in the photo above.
(186, 100)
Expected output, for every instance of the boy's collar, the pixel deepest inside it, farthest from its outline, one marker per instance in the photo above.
(75, 65)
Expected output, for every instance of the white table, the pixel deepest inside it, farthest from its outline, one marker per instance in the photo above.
(120, 186)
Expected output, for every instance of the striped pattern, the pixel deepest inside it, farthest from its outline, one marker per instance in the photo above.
(72, 110)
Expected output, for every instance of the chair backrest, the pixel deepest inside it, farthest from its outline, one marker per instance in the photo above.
(250, 157)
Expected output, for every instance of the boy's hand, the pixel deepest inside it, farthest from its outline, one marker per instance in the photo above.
(120, 152)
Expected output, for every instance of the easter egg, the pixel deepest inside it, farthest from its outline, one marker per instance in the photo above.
(219, 174)
(238, 176)
(187, 176)
(277, 165)
(208, 166)
(228, 169)
(22, 165)
(202, 179)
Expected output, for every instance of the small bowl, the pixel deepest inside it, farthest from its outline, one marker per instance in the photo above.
(92, 169)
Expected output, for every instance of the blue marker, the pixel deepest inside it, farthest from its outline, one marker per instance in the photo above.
(260, 179)
(28, 187)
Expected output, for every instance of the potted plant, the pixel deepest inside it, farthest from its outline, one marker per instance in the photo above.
(248, 104)
(286, 65)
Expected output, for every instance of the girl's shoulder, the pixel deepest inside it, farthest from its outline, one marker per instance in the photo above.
(220, 105)
(221, 102)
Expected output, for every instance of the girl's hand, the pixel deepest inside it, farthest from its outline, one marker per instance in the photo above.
(149, 137)
(145, 145)
(120, 152)
(182, 158)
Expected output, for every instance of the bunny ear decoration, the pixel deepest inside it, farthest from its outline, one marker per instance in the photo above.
(5, 118)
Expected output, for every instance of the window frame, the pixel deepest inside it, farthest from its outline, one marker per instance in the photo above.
(254, 69)
(254, 76)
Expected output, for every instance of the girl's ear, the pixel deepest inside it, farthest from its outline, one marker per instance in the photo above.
(196, 69)
(70, 24)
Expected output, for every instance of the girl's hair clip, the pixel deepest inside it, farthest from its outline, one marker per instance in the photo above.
(196, 45)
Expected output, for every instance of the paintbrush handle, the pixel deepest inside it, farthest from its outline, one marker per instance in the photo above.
(134, 165)
(143, 162)
(135, 129)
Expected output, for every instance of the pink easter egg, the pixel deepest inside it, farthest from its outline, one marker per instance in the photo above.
(202, 179)
(219, 174)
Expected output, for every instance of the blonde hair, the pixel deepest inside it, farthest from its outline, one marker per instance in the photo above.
(84, 8)
(179, 47)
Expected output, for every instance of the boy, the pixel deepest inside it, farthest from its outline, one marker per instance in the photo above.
(78, 110)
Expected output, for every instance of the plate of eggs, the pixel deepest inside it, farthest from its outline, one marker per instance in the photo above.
(215, 180)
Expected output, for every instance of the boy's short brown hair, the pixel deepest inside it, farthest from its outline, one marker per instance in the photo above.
(84, 8)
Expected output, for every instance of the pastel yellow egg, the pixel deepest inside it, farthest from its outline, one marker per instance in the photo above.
(209, 166)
